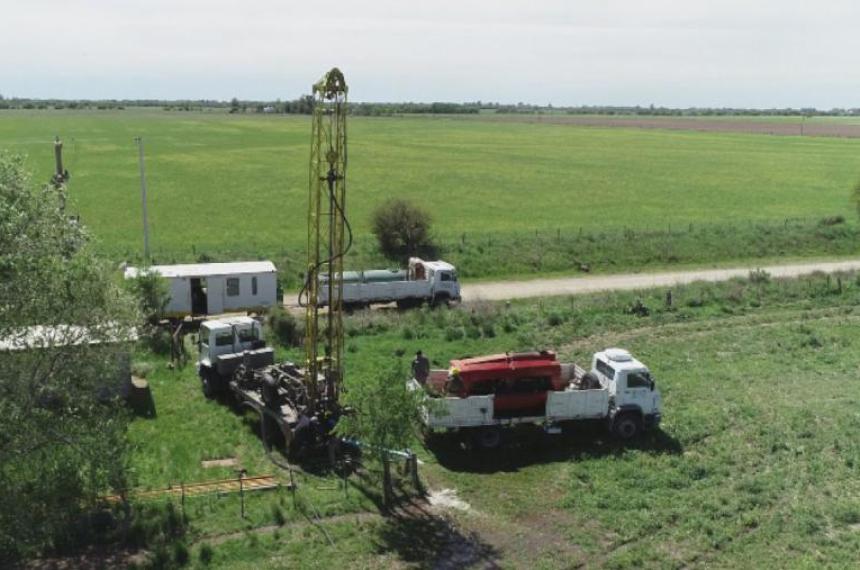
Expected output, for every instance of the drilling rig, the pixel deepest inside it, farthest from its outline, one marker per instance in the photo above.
(300, 402)
(329, 240)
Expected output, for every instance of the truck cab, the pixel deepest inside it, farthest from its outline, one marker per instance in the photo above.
(224, 344)
(635, 401)
(442, 276)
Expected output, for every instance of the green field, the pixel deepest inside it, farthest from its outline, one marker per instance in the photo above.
(756, 464)
(225, 186)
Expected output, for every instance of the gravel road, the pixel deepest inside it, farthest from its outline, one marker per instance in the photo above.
(502, 290)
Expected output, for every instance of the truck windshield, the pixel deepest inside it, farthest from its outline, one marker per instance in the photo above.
(248, 335)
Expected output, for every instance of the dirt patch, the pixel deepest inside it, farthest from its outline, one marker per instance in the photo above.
(90, 559)
(447, 499)
(225, 462)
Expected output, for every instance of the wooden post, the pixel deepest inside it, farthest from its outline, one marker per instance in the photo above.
(242, 493)
(386, 480)
(413, 472)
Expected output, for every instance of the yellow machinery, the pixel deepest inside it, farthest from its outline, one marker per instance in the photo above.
(329, 238)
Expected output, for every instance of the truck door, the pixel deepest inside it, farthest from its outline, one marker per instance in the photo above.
(637, 390)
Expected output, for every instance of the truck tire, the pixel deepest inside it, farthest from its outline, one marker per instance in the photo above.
(488, 438)
(627, 426)
(439, 300)
(209, 384)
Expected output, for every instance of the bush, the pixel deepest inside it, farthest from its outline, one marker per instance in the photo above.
(285, 327)
(206, 554)
(402, 229)
(453, 333)
(159, 341)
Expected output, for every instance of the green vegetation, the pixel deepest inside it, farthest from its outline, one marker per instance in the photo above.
(63, 321)
(755, 464)
(232, 186)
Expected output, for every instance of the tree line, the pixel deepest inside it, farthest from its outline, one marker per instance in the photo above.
(303, 105)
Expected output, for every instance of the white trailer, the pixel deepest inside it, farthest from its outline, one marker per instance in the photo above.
(424, 281)
(214, 288)
(619, 389)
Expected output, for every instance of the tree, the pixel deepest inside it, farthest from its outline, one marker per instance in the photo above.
(387, 413)
(234, 105)
(62, 423)
(402, 229)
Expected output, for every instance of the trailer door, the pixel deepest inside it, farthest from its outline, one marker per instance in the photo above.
(215, 295)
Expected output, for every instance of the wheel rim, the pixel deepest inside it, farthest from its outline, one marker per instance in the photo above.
(627, 428)
(490, 438)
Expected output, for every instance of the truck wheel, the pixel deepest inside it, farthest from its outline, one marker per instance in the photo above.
(627, 426)
(208, 384)
(439, 300)
(488, 438)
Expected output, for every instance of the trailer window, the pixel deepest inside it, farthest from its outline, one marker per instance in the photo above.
(233, 287)
(224, 338)
(253, 286)
(606, 370)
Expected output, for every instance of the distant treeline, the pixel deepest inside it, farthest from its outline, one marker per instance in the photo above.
(304, 104)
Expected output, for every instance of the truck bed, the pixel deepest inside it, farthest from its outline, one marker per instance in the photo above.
(572, 403)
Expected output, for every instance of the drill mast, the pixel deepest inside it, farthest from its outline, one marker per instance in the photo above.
(329, 238)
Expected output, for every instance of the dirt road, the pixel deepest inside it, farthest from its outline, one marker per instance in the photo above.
(503, 290)
(577, 285)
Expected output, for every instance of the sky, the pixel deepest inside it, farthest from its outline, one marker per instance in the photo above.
(676, 53)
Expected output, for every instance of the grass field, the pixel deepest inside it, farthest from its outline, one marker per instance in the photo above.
(756, 463)
(234, 186)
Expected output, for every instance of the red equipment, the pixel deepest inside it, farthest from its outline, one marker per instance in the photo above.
(520, 381)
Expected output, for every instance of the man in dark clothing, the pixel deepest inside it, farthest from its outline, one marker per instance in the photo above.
(421, 367)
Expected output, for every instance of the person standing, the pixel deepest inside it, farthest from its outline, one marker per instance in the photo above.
(421, 367)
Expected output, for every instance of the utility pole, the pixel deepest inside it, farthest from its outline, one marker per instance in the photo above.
(139, 142)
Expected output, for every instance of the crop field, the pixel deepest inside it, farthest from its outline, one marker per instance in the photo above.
(755, 465)
(224, 186)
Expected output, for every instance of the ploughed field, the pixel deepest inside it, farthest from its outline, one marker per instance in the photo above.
(226, 186)
(756, 463)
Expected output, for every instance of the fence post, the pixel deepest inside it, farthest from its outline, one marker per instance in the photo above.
(386, 480)
(413, 472)
(242, 492)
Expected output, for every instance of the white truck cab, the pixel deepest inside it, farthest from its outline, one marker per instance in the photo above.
(441, 275)
(631, 388)
(224, 344)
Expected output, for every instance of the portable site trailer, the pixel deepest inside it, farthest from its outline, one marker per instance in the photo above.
(216, 288)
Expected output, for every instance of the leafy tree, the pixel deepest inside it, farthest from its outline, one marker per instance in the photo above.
(152, 293)
(387, 413)
(234, 105)
(62, 423)
(402, 229)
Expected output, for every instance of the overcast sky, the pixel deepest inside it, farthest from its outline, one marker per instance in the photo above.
(744, 53)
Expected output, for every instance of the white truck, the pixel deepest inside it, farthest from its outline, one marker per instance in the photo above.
(433, 282)
(479, 397)
(224, 344)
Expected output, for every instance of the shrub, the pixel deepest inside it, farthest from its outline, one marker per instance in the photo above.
(759, 276)
(453, 333)
(159, 341)
(285, 327)
(402, 229)
(180, 553)
(206, 554)
(141, 369)
(554, 319)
